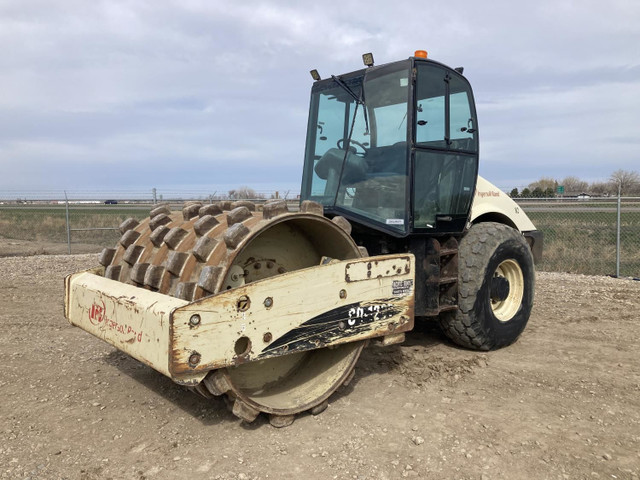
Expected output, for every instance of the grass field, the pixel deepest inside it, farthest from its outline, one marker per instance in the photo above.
(579, 241)
(585, 242)
(48, 223)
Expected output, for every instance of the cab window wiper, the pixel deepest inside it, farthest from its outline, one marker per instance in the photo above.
(346, 88)
(359, 100)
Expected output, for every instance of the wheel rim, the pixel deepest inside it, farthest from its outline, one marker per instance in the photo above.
(504, 309)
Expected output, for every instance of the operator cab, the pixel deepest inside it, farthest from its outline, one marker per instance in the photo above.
(394, 147)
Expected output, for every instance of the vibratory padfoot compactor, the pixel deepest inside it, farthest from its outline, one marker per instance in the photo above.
(270, 308)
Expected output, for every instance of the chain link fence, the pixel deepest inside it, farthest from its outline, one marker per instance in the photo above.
(43, 226)
(580, 235)
(593, 236)
(52, 228)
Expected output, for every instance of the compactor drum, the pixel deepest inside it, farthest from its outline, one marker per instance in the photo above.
(271, 309)
(204, 250)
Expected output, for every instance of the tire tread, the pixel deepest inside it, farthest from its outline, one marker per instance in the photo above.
(461, 326)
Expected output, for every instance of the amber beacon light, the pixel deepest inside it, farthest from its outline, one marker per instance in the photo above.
(420, 54)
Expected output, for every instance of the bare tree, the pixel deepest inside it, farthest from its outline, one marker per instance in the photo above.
(574, 185)
(244, 193)
(602, 188)
(626, 180)
(544, 183)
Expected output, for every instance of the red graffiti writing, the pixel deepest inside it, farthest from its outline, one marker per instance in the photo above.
(97, 317)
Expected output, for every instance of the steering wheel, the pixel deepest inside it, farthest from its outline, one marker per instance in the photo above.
(341, 145)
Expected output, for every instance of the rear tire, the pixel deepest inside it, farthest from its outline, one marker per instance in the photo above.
(496, 280)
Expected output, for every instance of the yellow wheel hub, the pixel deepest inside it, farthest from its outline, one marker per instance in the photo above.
(506, 308)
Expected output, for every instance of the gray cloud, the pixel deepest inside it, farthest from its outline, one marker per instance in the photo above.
(208, 94)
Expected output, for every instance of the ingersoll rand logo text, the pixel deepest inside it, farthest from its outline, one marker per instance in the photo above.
(98, 317)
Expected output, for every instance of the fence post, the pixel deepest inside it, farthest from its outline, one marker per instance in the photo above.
(66, 202)
(153, 190)
(618, 234)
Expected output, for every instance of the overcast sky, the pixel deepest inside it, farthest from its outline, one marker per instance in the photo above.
(207, 95)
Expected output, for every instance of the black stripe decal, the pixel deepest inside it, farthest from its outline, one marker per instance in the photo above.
(341, 322)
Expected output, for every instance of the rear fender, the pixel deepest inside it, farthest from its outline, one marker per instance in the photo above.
(491, 203)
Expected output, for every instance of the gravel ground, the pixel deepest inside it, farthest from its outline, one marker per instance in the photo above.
(563, 402)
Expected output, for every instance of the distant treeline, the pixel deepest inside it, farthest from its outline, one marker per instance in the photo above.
(625, 182)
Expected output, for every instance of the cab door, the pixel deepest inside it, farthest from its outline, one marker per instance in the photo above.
(445, 149)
